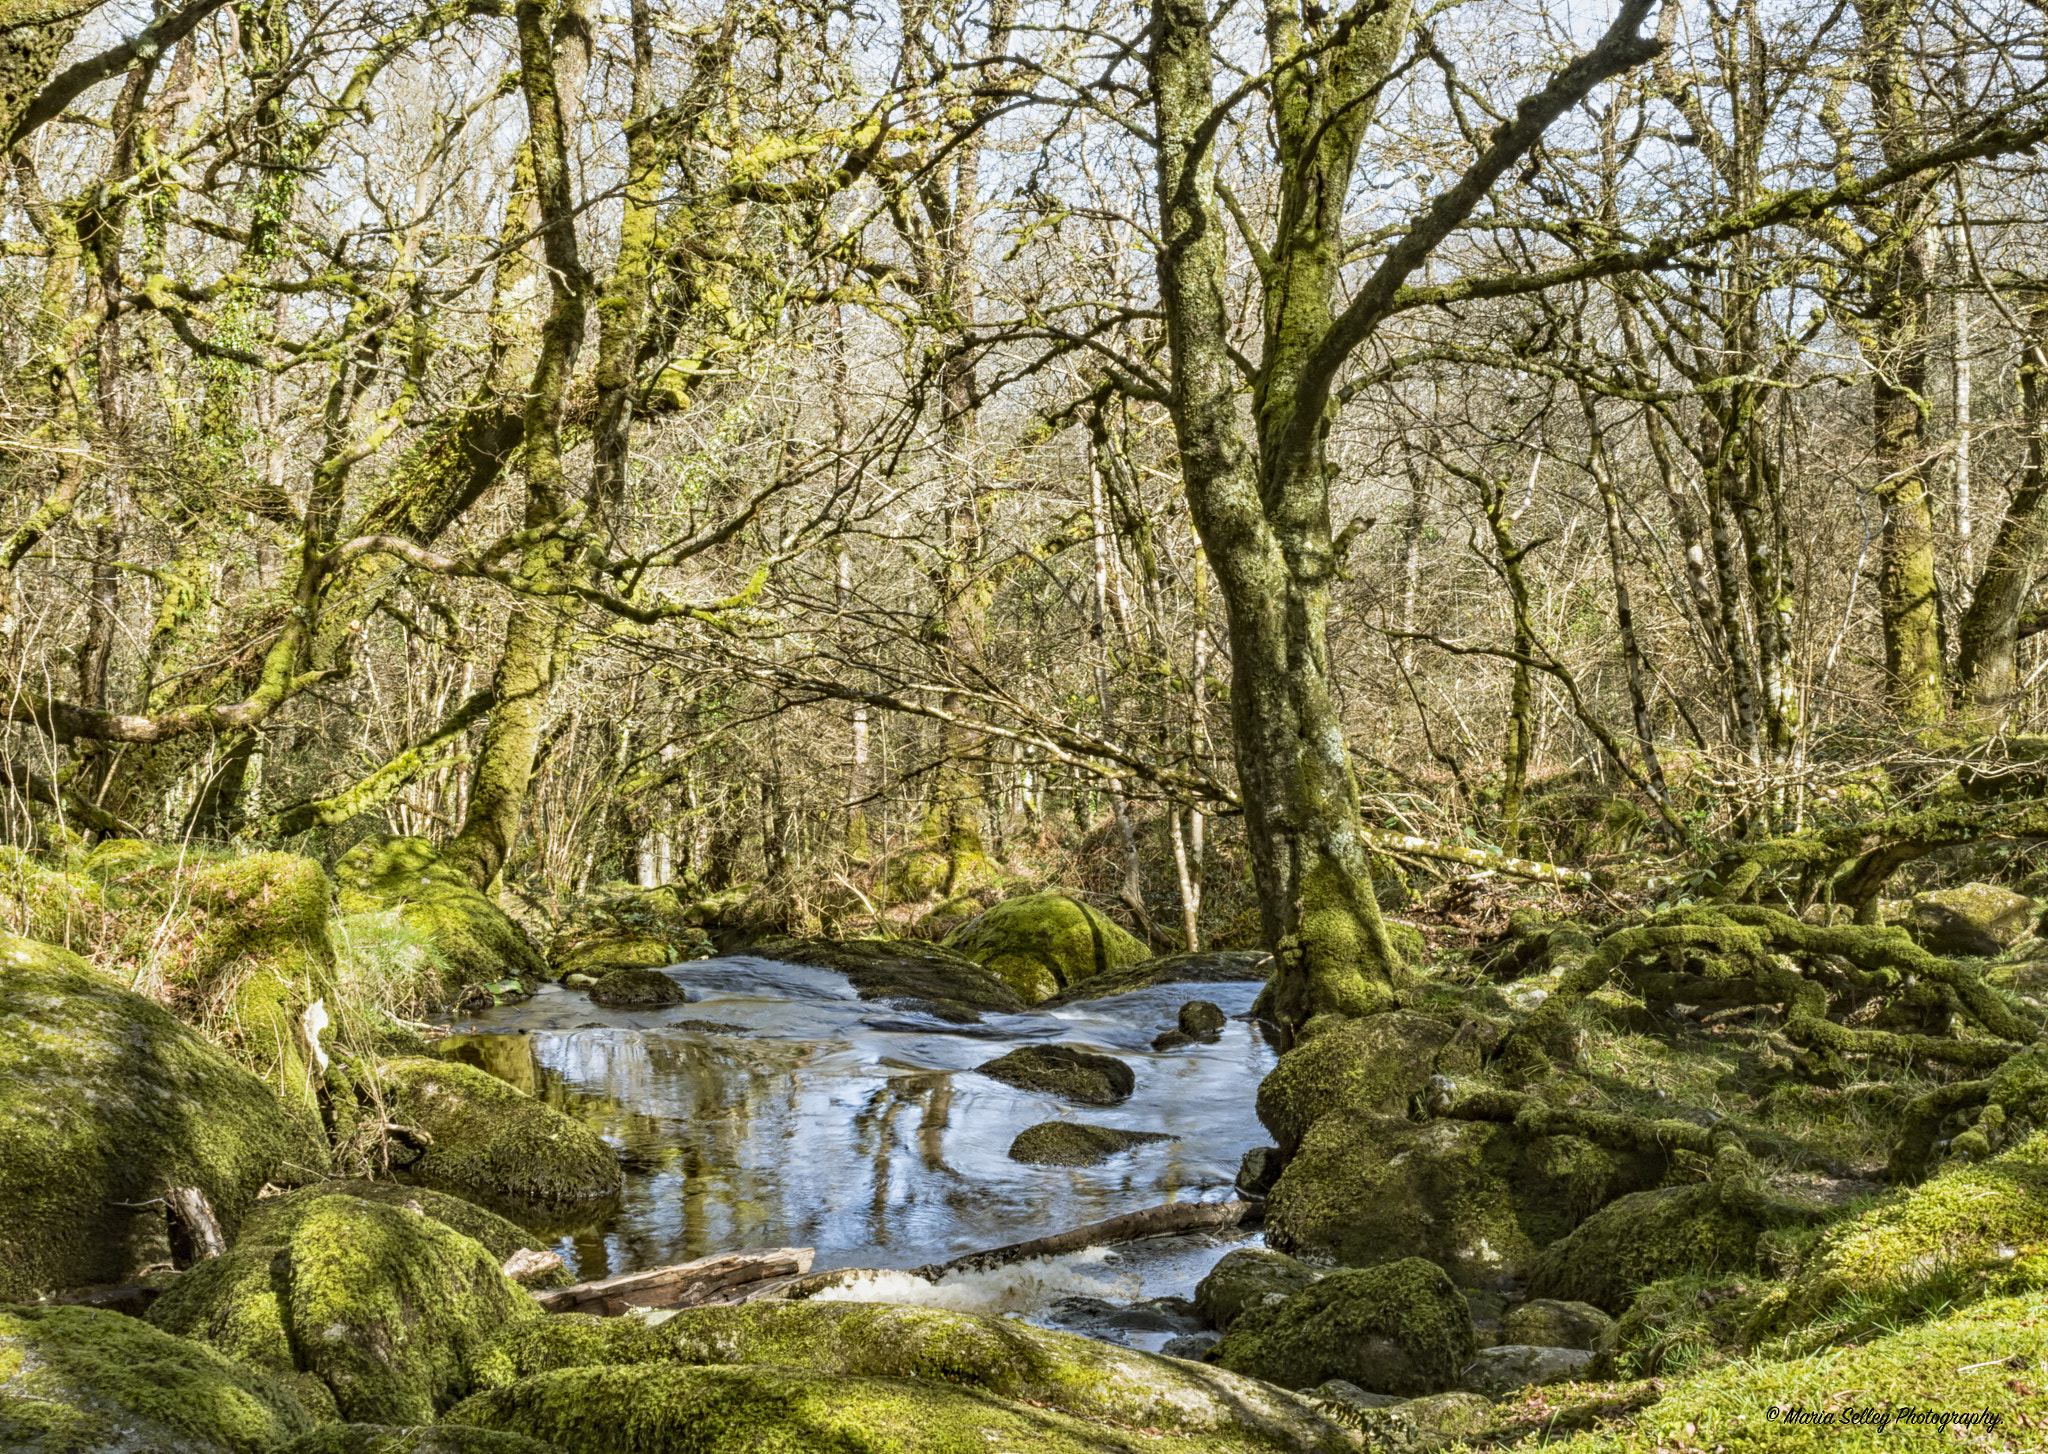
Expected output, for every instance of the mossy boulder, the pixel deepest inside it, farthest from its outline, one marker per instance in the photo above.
(1643, 1237)
(1042, 944)
(629, 928)
(50, 904)
(1974, 919)
(434, 1439)
(907, 974)
(627, 987)
(1064, 1070)
(1376, 1064)
(1424, 1425)
(276, 1219)
(1207, 966)
(1401, 1328)
(78, 1381)
(480, 942)
(1554, 1323)
(490, 1138)
(870, 1350)
(1250, 1277)
(1976, 1228)
(106, 1100)
(387, 1308)
(1477, 1198)
(1073, 1143)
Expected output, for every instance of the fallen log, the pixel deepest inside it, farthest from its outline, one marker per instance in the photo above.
(1171, 1220)
(684, 1285)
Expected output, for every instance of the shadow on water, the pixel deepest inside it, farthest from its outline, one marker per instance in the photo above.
(776, 1109)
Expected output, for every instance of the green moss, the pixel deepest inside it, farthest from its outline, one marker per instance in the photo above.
(1375, 1064)
(1478, 1198)
(1957, 1364)
(1400, 1328)
(476, 937)
(1644, 1237)
(387, 1307)
(435, 1439)
(105, 1100)
(491, 1138)
(964, 1354)
(1976, 1229)
(622, 951)
(1044, 943)
(634, 986)
(1063, 1070)
(277, 1219)
(647, 928)
(44, 903)
(77, 1381)
(1687, 1323)
(1071, 1143)
(1247, 1277)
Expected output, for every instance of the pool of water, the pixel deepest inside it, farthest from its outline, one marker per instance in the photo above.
(816, 1119)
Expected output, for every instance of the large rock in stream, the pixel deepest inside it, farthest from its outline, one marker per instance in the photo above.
(1401, 1328)
(377, 1312)
(908, 974)
(814, 1375)
(105, 1102)
(491, 1138)
(1064, 1070)
(1041, 944)
(479, 941)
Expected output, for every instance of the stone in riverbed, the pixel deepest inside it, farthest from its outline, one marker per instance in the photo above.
(1064, 1070)
(903, 972)
(1042, 944)
(635, 986)
(1071, 1143)
(1199, 1020)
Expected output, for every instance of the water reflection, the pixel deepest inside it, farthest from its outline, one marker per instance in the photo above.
(777, 1109)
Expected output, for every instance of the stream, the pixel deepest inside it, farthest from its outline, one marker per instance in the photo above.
(778, 1109)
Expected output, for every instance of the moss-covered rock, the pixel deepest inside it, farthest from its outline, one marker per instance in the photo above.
(1250, 1277)
(1199, 1018)
(1072, 1143)
(1376, 1064)
(1064, 1070)
(628, 928)
(1477, 1198)
(489, 1137)
(1400, 1328)
(1643, 1237)
(77, 1381)
(386, 1307)
(1424, 1425)
(434, 1439)
(277, 1219)
(1976, 1228)
(1690, 1322)
(479, 940)
(105, 1101)
(1973, 919)
(630, 986)
(868, 1347)
(906, 973)
(510, 1058)
(1208, 966)
(1042, 944)
(1553, 1323)
(50, 904)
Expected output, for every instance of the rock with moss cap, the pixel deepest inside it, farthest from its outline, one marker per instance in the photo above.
(1974, 919)
(480, 942)
(1073, 1143)
(1477, 1198)
(907, 974)
(1424, 1425)
(1250, 1277)
(1042, 944)
(385, 1308)
(77, 1381)
(1064, 1070)
(277, 1219)
(434, 1439)
(628, 987)
(1207, 966)
(1377, 1064)
(487, 1137)
(1402, 1328)
(1552, 1323)
(106, 1100)
(628, 927)
(1641, 1238)
(868, 1348)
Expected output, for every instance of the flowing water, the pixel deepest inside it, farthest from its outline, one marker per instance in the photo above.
(777, 1109)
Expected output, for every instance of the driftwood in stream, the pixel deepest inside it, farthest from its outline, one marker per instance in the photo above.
(1171, 1220)
(685, 1285)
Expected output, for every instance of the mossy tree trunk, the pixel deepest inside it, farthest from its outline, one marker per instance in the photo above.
(1261, 505)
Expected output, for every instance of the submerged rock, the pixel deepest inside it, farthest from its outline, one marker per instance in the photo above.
(1250, 1277)
(869, 1371)
(1064, 1070)
(635, 986)
(488, 1137)
(479, 940)
(1042, 944)
(1641, 1238)
(380, 1311)
(1154, 1315)
(1402, 1328)
(1071, 1143)
(1477, 1198)
(906, 973)
(105, 1102)
(79, 1381)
